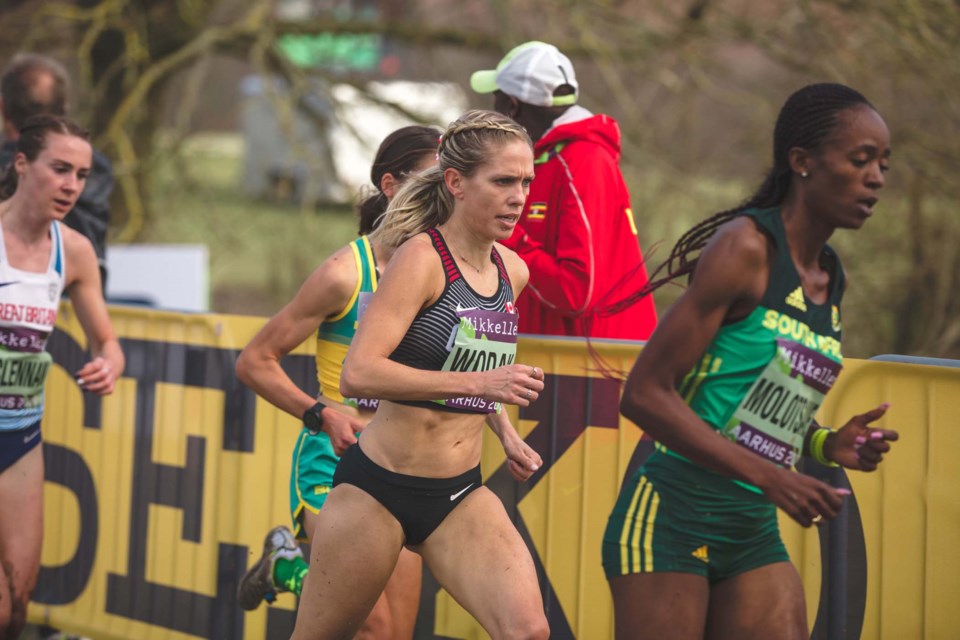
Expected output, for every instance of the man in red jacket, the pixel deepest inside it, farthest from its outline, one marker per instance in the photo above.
(576, 232)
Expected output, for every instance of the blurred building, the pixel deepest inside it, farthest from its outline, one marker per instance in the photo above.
(315, 144)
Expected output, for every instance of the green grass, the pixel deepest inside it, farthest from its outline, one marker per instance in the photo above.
(260, 251)
(665, 205)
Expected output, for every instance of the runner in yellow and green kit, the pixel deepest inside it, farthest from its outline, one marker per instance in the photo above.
(331, 299)
(692, 548)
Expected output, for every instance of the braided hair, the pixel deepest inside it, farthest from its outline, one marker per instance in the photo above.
(399, 154)
(424, 200)
(806, 119)
(33, 140)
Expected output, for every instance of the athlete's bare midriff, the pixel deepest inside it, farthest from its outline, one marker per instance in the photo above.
(423, 442)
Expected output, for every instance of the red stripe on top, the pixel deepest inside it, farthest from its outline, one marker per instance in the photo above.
(495, 255)
(449, 264)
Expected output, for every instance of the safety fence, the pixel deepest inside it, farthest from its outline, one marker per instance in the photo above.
(158, 496)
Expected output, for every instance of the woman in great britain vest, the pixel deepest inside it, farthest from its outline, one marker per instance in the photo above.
(437, 346)
(333, 298)
(40, 258)
(728, 386)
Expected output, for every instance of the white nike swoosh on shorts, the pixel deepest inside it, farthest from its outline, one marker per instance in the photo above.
(30, 437)
(460, 493)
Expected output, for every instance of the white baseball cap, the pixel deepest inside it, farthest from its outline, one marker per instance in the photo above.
(530, 72)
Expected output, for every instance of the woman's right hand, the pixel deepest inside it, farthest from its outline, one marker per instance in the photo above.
(518, 384)
(97, 376)
(803, 498)
(342, 429)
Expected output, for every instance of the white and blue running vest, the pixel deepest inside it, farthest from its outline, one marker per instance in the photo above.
(28, 312)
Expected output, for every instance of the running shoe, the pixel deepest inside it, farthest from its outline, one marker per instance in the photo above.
(257, 583)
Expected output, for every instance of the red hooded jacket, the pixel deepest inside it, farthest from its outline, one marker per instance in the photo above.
(577, 234)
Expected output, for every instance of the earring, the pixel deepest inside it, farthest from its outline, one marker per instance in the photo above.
(804, 174)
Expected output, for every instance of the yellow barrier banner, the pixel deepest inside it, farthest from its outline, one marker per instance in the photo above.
(158, 496)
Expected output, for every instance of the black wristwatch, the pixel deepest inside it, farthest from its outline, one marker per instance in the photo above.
(313, 418)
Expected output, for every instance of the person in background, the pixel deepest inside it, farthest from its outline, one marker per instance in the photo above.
(577, 232)
(729, 383)
(333, 298)
(33, 84)
(39, 259)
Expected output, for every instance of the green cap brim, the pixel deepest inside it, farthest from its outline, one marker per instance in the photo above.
(484, 81)
(562, 101)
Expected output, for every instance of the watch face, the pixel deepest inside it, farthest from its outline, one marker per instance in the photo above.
(312, 419)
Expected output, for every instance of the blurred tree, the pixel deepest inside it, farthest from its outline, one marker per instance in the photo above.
(125, 52)
(903, 55)
(128, 52)
(695, 84)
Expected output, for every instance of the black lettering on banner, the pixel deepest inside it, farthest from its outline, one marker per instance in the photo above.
(69, 355)
(64, 583)
(566, 407)
(132, 595)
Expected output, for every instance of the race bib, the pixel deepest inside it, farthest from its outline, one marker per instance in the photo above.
(774, 416)
(364, 404)
(482, 340)
(22, 375)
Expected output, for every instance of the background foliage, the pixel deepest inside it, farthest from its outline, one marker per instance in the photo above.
(696, 86)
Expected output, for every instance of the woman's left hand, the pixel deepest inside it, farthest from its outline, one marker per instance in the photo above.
(98, 376)
(522, 460)
(856, 445)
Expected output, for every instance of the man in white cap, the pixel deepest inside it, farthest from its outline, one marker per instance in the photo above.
(576, 233)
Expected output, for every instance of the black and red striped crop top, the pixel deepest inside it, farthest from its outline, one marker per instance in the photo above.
(461, 331)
